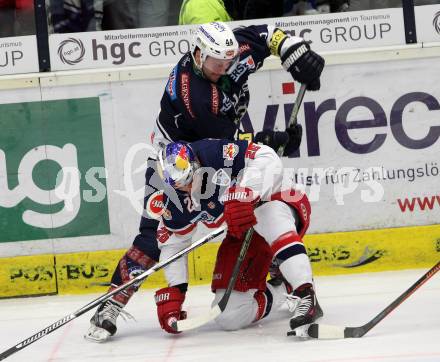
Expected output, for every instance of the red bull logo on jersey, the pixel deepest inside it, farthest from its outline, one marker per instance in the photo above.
(230, 151)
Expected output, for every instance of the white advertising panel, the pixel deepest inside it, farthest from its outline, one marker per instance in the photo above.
(348, 30)
(428, 23)
(369, 156)
(361, 29)
(370, 152)
(18, 55)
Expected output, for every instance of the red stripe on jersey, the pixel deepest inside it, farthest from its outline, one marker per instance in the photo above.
(215, 99)
(185, 93)
(284, 240)
(185, 230)
(216, 223)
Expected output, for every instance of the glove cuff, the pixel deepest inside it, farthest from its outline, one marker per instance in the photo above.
(238, 194)
(169, 294)
(289, 42)
(276, 41)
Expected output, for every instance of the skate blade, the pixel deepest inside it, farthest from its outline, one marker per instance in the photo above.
(97, 335)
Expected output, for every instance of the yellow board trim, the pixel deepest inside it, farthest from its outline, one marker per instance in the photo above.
(331, 254)
(27, 275)
(374, 250)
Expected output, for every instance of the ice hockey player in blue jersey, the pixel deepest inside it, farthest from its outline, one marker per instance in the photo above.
(242, 184)
(207, 95)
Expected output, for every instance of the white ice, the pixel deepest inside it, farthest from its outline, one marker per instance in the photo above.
(410, 334)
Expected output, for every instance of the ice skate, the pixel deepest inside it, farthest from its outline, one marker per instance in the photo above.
(103, 322)
(305, 307)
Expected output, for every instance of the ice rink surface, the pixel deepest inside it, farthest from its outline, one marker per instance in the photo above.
(409, 334)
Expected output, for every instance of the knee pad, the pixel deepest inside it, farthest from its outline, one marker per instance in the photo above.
(240, 311)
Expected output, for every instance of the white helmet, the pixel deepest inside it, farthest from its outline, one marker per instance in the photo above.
(216, 40)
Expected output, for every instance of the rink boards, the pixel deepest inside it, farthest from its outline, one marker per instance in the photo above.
(368, 161)
(330, 254)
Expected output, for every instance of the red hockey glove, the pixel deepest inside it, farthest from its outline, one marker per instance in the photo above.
(239, 210)
(169, 307)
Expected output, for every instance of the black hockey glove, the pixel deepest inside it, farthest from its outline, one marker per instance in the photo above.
(303, 63)
(295, 136)
(291, 139)
(273, 139)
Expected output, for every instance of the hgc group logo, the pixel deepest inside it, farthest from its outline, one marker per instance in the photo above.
(436, 22)
(71, 51)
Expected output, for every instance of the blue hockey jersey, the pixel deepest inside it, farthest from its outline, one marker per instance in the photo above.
(221, 162)
(193, 108)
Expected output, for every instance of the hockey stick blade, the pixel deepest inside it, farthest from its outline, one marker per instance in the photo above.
(40, 334)
(325, 331)
(187, 324)
(214, 312)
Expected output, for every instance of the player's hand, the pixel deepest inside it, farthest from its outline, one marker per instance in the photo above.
(273, 139)
(295, 136)
(303, 63)
(239, 210)
(169, 307)
(291, 139)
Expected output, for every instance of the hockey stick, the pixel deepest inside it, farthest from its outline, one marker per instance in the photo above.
(104, 297)
(214, 312)
(293, 120)
(323, 331)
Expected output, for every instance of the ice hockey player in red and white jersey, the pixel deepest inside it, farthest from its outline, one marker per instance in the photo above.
(255, 197)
